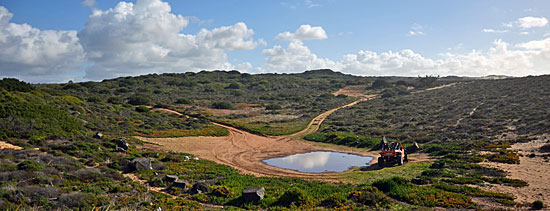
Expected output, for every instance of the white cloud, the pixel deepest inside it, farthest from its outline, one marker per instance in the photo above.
(530, 58)
(532, 22)
(310, 4)
(416, 29)
(494, 31)
(236, 37)
(133, 39)
(89, 3)
(295, 58)
(305, 32)
(37, 55)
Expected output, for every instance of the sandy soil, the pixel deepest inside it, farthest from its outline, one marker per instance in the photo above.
(534, 171)
(354, 91)
(5, 145)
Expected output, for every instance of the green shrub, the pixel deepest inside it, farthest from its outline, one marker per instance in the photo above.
(29, 165)
(142, 109)
(537, 205)
(334, 201)
(184, 101)
(295, 197)
(221, 191)
(12, 84)
(139, 100)
(380, 83)
(369, 196)
(223, 105)
(273, 107)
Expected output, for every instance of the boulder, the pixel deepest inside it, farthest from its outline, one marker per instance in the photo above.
(200, 187)
(253, 193)
(142, 163)
(171, 178)
(121, 145)
(180, 184)
(98, 135)
(412, 149)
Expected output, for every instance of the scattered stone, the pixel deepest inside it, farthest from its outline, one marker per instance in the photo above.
(253, 193)
(98, 135)
(171, 178)
(200, 187)
(122, 146)
(142, 163)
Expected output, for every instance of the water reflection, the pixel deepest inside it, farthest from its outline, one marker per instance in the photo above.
(321, 161)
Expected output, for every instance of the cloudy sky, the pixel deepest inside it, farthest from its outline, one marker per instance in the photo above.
(56, 41)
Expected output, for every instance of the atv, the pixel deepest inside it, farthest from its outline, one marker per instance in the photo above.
(392, 153)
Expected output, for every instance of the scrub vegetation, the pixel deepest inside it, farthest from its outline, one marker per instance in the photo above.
(62, 166)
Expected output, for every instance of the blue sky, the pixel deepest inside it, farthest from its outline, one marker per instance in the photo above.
(409, 38)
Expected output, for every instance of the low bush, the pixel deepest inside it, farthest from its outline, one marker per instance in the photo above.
(295, 197)
(222, 105)
(537, 205)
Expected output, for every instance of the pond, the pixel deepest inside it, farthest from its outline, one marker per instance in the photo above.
(319, 162)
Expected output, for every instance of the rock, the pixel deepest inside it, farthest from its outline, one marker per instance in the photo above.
(180, 184)
(122, 146)
(253, 193)
(412, 149)
(142, 163)
(98, 135)
(171, 178)
(200, 187)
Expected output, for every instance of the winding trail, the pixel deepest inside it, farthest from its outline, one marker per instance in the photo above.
(246, 151)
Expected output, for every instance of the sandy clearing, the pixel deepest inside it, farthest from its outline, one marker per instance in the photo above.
(534, 171)
(246, 151)
(6, 145)
(354, 91)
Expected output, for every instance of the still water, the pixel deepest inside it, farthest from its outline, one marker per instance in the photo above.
(319, 162)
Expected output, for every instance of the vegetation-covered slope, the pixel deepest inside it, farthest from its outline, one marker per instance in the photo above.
(72, 170)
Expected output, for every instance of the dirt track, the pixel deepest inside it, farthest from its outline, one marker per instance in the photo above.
(246, 152)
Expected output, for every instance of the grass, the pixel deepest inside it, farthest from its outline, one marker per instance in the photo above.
(407, 171)
(429, 196)
(272, 128)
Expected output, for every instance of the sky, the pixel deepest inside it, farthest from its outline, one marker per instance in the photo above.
(57, 41)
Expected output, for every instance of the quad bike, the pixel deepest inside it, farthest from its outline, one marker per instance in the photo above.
(392, 153)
